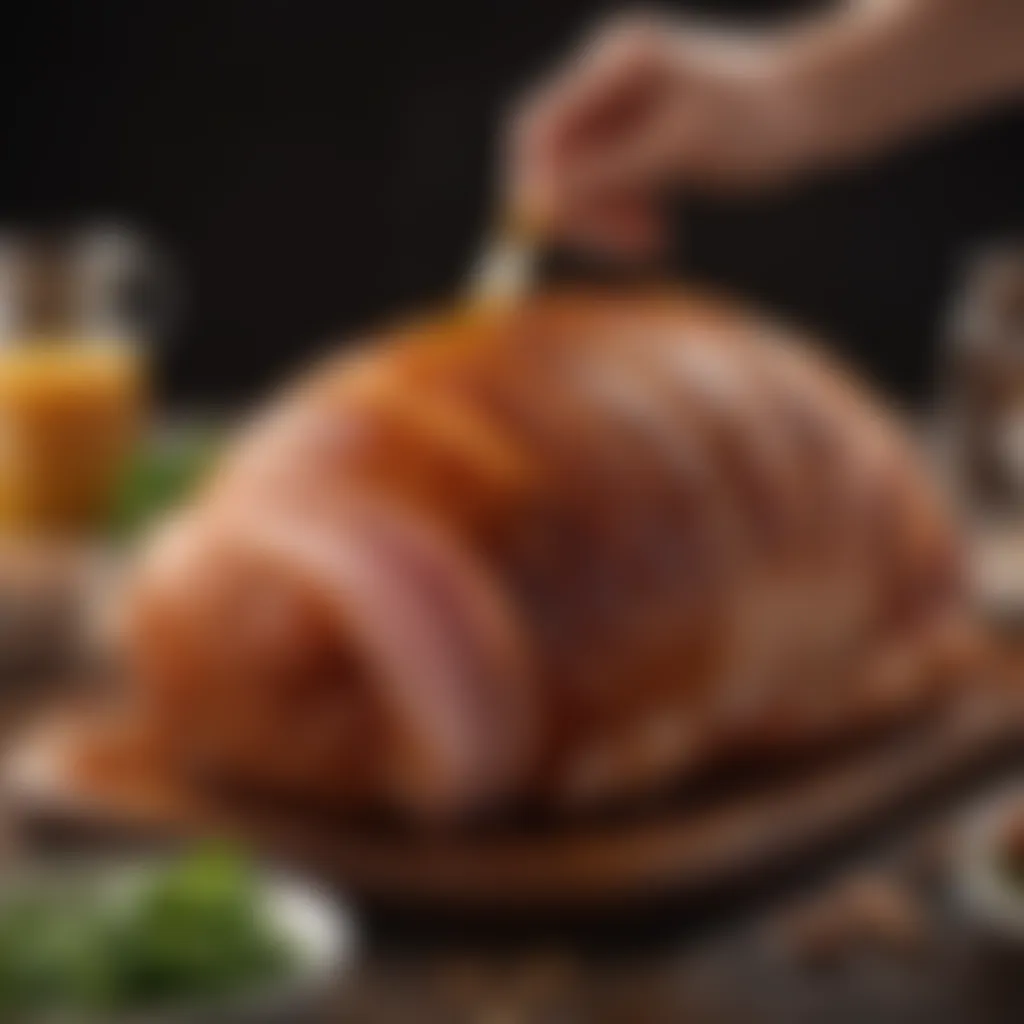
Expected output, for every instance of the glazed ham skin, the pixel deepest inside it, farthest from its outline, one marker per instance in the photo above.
(559, 554)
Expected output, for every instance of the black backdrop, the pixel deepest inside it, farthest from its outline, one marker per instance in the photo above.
(314, 166)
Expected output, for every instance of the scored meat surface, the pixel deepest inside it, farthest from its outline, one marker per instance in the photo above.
(558, 554)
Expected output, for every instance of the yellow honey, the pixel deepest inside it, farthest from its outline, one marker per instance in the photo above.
(70, 411)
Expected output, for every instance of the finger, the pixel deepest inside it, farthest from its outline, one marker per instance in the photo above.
(670, 142)
(604, 89)
(624, 228)
(622, 64)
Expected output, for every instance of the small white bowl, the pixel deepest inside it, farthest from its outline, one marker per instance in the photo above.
(320, 931)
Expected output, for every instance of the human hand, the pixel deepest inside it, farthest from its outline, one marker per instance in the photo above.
(650, 105)
(643, 107)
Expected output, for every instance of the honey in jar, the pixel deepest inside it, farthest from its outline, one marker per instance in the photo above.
(71, 383)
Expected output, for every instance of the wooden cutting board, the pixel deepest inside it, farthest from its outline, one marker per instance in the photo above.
(692, 844)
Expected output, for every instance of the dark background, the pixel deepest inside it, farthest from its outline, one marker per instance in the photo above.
(312, 167)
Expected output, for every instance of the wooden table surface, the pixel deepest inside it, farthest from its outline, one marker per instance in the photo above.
(749, 956)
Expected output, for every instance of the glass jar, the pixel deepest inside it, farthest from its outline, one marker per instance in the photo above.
(72, 333)
(983, 421)
(985, 385)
